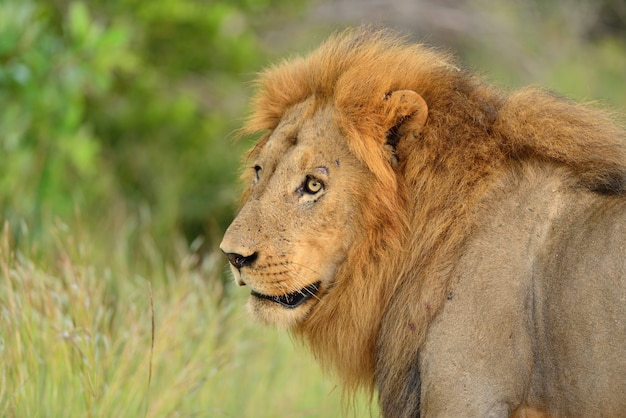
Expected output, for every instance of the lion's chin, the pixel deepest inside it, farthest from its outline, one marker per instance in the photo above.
(284, 310)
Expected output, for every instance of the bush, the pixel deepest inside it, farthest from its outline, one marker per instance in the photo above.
(52, 158)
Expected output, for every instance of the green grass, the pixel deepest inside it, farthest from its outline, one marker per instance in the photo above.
(86, 338)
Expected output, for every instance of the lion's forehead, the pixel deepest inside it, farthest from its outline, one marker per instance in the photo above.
(310, 141)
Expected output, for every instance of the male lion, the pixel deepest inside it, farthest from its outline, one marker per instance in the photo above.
(457, 248)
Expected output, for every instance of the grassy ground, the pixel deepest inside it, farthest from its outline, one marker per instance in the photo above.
(85, 338)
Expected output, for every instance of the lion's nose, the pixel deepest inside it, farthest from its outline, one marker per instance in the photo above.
(239, 261)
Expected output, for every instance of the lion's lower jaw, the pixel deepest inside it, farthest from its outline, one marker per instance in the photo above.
(272, 313)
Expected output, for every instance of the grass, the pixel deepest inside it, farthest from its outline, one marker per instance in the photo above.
(81, 337)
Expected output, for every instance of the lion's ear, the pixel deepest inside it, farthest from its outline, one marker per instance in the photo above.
(405, 114)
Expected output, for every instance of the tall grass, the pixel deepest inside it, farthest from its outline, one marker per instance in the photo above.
(83, 338)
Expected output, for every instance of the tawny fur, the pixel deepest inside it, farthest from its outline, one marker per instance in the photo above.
(473, 134)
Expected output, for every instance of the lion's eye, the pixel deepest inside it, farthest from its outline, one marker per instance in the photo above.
(257, 172)
(312, 185)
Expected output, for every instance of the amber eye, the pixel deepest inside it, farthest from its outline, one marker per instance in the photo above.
(312, 185)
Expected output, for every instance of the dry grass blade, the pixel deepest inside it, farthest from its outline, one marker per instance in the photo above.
(151, 349)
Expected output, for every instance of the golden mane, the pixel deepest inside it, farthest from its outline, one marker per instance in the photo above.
(475, 133)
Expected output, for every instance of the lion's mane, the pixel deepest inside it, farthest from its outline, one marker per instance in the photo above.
(417, 221)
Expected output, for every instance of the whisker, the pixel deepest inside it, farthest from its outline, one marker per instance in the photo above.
(301, 265)
(291, 279)
(303, 285)
(301, 280)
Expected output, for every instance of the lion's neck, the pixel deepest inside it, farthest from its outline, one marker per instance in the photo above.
(343, 327)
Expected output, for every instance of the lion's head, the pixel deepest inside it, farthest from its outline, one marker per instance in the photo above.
(375, 155)
(300, 218)
(308, 206)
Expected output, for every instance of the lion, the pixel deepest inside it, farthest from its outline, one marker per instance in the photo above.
(458, 249)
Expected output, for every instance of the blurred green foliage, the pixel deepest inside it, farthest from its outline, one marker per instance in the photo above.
(111, 107)
(125, 109)
(50, 153)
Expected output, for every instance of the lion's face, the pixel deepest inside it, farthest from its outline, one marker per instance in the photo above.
(296, 226)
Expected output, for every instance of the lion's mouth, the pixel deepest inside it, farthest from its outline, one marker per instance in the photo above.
(292, 300)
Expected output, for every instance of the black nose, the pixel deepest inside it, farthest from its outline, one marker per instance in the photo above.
(240, 261)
